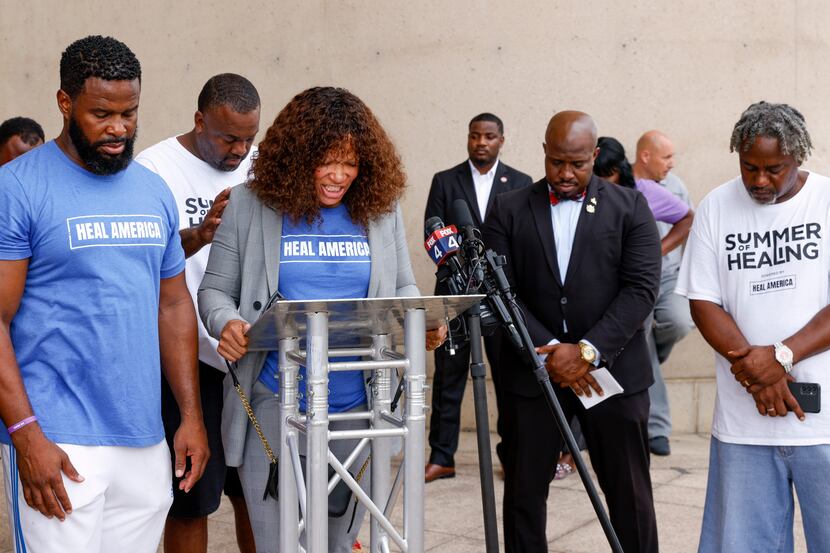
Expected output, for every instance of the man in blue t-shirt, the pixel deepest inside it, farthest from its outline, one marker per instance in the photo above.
(93, 303)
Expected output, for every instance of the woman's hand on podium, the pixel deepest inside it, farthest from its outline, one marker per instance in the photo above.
(233, 343)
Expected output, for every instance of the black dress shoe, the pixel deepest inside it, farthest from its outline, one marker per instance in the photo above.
(659, 445)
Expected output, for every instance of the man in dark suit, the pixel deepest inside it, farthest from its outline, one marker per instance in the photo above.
(583, 256)
(477, 181)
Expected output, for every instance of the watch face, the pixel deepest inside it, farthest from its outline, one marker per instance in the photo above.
(588, 353)
(784, 355)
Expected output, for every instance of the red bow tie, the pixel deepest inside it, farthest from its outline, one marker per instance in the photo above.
(554, 199)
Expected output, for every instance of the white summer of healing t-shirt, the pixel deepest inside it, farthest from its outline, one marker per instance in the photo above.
(768, 267)
(194, 184)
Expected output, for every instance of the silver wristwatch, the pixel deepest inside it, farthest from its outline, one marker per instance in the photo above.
(784, 355)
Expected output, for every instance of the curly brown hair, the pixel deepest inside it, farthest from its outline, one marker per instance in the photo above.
(315, 123)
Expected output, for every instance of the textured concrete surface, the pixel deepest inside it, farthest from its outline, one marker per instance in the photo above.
(688, 67)
(453, 508)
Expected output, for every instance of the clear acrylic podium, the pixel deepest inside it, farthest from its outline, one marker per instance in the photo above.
(308, 333)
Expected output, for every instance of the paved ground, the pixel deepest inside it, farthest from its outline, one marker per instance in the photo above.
(453, 508)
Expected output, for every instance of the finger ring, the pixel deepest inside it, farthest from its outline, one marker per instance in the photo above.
(745, 383)
(771, 410)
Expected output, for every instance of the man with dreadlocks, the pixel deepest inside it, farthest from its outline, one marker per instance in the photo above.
(756, 271)
(93, 303)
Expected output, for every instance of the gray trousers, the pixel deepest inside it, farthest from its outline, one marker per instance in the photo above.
(670, 321)
(264, 514)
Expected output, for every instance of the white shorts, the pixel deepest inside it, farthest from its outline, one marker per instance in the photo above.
(121, 505)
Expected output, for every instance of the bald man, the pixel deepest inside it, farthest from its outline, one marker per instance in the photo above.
(671, 319)
(583, 256)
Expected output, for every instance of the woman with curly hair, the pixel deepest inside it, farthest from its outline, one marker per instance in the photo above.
(318, 219)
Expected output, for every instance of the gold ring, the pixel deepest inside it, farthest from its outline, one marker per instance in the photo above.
(745, 383)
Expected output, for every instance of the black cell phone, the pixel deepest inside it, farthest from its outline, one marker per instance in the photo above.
(808, 395)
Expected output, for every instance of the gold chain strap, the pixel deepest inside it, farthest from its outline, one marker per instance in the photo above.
(247, 406)
(360, 474)
(363, 468)
(270, 452)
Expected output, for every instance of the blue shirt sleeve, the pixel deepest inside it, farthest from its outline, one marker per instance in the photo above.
(173, 261)
(15, 219)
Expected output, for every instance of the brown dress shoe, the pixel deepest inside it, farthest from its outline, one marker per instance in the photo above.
(435, 472)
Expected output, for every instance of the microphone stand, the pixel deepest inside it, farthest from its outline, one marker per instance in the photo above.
(478, 371)
(553, 402)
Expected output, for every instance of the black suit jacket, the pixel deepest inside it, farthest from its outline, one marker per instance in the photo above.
(612, 281)
(452, 184)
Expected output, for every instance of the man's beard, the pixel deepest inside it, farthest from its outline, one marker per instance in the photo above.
(95, 161)
(223, 166)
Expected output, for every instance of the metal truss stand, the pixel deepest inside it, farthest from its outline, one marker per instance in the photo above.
(331, 329)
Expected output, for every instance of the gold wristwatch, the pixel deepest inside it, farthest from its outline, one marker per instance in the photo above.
(587, 351)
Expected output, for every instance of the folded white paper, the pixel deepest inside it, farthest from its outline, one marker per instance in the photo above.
(610, 387)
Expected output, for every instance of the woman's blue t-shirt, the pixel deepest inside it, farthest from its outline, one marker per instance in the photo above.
(328, 259)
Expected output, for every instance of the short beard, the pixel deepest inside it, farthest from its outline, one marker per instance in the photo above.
(768, 202)
(227, 168)
(95, 161)
(478, 163)
(771, 201)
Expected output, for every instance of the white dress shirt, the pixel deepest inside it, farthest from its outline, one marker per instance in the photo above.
(564, 217)
(483, 183)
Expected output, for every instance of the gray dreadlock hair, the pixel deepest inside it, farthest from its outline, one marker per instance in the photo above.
(780, 121)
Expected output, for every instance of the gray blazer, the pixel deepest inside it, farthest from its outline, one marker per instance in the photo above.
(243, 272)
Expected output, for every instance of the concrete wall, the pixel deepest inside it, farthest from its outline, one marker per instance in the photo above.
(687, 67)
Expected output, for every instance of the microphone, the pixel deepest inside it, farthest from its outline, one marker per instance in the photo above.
(441, 242)
(470, 243)
(442, 245)
(431, 225)
(463, 217)
(465, 267)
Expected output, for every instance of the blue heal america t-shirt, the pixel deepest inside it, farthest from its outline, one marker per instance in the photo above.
(86, 333)
(329, 260)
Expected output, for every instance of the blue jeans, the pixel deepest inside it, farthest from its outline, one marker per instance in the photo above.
(749, 498)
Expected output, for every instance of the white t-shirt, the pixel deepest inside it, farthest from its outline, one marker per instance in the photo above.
(768, 267)
(194, 184)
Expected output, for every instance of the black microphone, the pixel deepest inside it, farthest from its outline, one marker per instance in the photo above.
(470, 244)
(442, 245)
(442, 242)
(463, 217)
(466, 271)
(431, 225)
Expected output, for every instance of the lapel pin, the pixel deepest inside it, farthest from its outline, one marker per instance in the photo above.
(590, 208)
(503, 179)
(594, 200)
